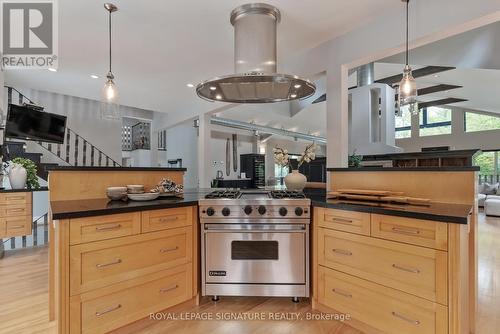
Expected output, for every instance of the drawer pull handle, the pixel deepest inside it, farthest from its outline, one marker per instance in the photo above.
(408, 269)
(17, 226)
(342, 251)
(406, 231)
(168, 250)
(342, 220)
(168, 219)
(108, 228)
(103, 265)
(342, 293)
(402, 317)
(16, 210)
(169, 289)
(111, 309)
(16, 198)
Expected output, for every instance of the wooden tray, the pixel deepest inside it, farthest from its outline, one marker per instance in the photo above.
(370, 192)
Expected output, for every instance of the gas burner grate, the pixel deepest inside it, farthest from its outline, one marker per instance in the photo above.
(279, 194)
(224, 194)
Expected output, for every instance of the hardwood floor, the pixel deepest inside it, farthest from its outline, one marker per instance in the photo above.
(24, 298)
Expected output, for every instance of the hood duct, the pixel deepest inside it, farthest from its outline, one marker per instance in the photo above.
(256, 80)
(261, 129)
(366, 74)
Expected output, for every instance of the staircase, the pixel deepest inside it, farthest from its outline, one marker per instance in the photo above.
(75, 151)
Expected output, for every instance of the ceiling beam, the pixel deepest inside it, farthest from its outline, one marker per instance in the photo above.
(421, 72)
(440, 102)
(434, 89)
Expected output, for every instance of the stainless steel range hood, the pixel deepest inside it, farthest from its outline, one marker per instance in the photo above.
(256, 80)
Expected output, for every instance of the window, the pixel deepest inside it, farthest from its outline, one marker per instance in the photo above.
(486, 161)
(403, 123)
(480, 122)
(435, 121)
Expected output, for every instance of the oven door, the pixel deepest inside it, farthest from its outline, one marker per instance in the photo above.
(255, 253)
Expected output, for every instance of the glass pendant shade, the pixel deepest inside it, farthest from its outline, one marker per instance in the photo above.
(408, 91)
(110, 107)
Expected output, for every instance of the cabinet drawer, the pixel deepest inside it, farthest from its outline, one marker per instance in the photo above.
(106, 309)
(385, 309)
(157, 220)
(107, 262)
(15, 198)
(104, 227)
(416, 270)
(17, 226)
(419, 232)
(348, 221)
(15, 210)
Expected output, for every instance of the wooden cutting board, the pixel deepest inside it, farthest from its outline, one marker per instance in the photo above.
(370, 192)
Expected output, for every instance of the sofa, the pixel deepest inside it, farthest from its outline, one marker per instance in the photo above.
(489, 197)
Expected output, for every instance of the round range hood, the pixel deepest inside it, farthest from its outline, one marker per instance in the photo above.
(256, 80)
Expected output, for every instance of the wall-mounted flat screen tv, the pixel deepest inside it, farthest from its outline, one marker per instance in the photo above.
(29, 124)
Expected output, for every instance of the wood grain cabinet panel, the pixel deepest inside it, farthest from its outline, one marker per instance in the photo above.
(15, 198)
(90, 229)
(347, 221)
(416, 270)
(17, 226)
(3, 227)
(157, 220)
(98, 264)
(103, 310)
(385, 309)
(15, 210)
(419, 232)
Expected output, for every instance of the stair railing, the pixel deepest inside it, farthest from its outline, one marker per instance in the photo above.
(76, 149)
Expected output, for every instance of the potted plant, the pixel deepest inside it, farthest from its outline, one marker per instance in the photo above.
(295, 180)
(22, 174)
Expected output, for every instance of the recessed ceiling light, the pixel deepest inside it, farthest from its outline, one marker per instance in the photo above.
(293, 96)
(213, 88)
(93, 76)
(52, 69)
(190, 85)
(218, 97)
(297, 86)
(436, 76)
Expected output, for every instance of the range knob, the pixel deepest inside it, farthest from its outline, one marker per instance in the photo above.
(283, 211)
(226, 212)
(248, 210)
(299, 211)
(262, 209)
(210, 211)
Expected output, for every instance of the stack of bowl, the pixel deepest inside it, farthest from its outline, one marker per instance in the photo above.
(116, 193)
(135, 189)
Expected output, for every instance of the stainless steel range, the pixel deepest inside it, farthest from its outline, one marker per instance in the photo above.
(255, 243)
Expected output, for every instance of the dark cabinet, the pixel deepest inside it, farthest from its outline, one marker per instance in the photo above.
(254, 166)
(315, 171)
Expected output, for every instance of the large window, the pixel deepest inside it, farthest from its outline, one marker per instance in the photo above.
(486, 161)
(435, 121)
(480, 122)
(403, 123)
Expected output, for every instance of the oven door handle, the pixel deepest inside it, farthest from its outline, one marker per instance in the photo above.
(255, 227)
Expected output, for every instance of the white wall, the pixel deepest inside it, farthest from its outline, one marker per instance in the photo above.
(458, 139)
(85, 119)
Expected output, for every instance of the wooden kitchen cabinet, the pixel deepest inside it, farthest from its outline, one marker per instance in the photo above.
(15, 214)
(116, 269)
(391, 274)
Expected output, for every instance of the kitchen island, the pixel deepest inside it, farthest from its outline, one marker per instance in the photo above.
(394, 268)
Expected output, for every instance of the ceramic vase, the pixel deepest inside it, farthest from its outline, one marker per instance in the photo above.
(17, 177)
(295, 181)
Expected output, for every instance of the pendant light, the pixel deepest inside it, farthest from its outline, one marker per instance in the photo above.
(408, 86)
(110, 108)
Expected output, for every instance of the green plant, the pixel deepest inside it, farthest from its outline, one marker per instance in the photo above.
(32, 179)
(355, 160)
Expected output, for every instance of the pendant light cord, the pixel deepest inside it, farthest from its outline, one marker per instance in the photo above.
(110, 41)
(407, 34)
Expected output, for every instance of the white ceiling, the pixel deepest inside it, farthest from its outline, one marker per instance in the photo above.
(160, 46)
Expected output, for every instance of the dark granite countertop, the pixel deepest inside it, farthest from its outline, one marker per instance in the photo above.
(443, 212)
(407, 169)
(103, 206)
(114, 169)
(4, 190)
